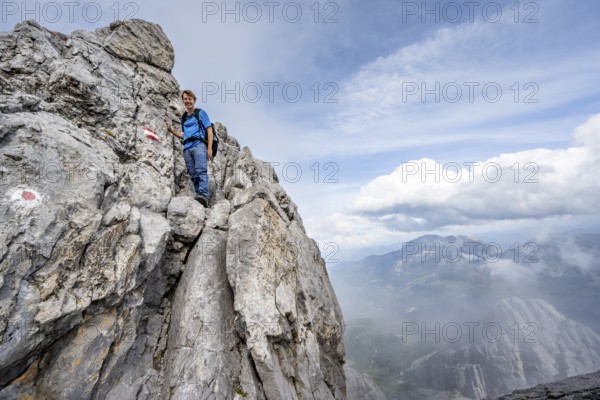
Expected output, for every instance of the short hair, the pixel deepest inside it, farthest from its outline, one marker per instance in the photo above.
(189, 93)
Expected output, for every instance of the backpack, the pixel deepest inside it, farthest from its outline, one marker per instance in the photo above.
(215, 143)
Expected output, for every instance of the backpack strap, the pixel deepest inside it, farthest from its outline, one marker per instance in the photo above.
(183, 117)
(197, 116)
(202, 127)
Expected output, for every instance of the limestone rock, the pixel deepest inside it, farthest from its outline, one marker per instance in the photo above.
(114, 282)
(581, 387)
(362, 387)
(546, 347)
(139, 42)
(186, 216)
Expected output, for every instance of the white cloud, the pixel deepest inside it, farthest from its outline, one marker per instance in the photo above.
(514, 273)
(572, 254)
(409, 98)
(588, 134)
(538, 183)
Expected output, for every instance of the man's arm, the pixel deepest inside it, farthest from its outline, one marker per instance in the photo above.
(173, 131)
(178, 134)
(209, 134)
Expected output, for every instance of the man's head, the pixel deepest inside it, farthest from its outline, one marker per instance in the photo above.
(189, 99)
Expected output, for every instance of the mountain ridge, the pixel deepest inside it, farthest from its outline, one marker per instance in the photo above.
(580, 387)
(115, 283)
(410, 306)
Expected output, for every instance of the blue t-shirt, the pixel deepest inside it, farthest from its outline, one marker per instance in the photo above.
(191, 128)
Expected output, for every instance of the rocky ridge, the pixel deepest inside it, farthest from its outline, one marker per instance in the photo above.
(581, 387)
(428, 328)
(114, 282)
(533, 343)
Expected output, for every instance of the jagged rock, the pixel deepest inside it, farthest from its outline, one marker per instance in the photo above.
(187, 218)
(219, 214)
(533, 344)
(582, 387)
(96, 229)
(155, 231)
(117, 213)
(144, 43)
(361, 386)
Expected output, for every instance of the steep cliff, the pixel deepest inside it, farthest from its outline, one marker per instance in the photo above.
(114, 282)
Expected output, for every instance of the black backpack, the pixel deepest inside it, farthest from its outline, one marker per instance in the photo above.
(215, 143)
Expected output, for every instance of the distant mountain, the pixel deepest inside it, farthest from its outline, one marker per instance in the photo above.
(403, 309)
(424, 272)
(567, 275)
(539, 345)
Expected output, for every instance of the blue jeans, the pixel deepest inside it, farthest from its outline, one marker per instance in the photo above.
(196, 159)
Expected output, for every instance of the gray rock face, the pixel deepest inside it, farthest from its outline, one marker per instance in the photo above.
(114, 283)
(187, 218)
(361, 386)
(581, 387)
(533, 344)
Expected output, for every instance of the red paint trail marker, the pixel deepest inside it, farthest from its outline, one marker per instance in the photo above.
(26, 198)
(150, 134)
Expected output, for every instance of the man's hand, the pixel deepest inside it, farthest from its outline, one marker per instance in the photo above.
(210, 154)
(170, 130)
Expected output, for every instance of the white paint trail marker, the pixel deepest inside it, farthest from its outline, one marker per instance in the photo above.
(150, 134)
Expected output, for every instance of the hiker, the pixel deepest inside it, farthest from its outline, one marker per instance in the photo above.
(197, 144)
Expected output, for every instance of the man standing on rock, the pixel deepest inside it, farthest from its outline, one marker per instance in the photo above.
(197, 144)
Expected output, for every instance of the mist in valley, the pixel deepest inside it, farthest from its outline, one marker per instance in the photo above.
(447, 317)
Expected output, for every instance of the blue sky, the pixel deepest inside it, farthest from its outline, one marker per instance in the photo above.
(394, 72)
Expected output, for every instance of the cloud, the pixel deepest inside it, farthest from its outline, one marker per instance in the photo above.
(464, 83)
(571, 253)
(532, 184)
(517, 275)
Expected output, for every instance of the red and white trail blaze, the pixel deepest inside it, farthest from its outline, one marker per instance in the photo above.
(26, 198)
(150, 134)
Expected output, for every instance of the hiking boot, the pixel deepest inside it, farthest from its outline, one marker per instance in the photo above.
(202, 200)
